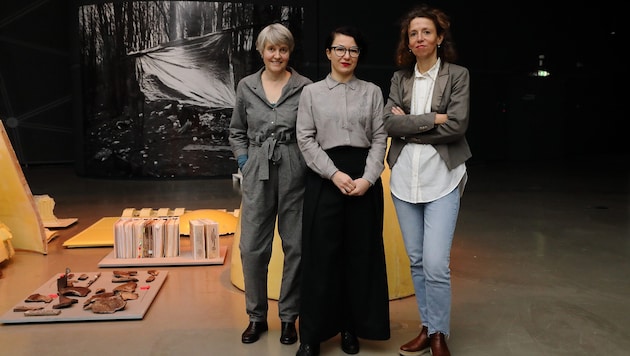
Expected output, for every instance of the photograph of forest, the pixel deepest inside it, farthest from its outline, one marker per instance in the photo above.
(158, 82)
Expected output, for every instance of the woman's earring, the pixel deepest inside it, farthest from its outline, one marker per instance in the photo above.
(439, 46)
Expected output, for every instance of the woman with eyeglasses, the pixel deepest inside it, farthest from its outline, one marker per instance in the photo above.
(341, 135)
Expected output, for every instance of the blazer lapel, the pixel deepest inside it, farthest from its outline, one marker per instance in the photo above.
(440, 87)
(408, 91)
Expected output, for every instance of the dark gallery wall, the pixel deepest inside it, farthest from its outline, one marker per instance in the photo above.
(576, 111)
(35, 80)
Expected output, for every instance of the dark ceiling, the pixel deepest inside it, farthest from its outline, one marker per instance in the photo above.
(499, 43)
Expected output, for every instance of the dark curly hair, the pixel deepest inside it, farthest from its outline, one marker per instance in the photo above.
(446, 51)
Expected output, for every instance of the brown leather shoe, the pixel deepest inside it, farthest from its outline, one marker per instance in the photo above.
(438, 345)
(417, 346)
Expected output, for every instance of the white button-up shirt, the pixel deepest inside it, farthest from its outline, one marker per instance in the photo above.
(420, 175)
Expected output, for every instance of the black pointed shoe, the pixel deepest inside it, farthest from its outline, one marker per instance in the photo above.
(288, 333)
(253, 331)
(308, 350)
(349, 343)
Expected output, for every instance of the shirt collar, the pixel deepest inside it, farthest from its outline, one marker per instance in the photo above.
(431, 73)
(331, 83)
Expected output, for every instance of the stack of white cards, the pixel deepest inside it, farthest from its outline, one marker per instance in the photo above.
(204, 239)
(146, 237)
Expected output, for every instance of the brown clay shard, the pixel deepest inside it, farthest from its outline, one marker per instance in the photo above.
(150, 279)
(107, 305)
(23, 308)
(86, 304)
(75, 291)
(64, 302)
(119, 274)
(127, 287)
(42, 312)
(128, 295)
(38, 298)
(124, 279)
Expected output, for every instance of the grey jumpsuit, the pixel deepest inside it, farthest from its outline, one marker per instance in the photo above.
(272, 188)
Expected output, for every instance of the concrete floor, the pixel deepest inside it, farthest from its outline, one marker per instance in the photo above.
(540, 266)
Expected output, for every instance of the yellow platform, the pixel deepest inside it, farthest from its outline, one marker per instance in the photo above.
(101, 233)
(398, 272)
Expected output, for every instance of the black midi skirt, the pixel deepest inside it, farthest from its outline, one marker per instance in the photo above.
(344, 276)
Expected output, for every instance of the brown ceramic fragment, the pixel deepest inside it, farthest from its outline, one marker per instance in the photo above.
(23, 308)
(42, 312)
(86, 304)
(124, 279)
(107, 305)
(75, 291)
(127, 287)
(128, 295)
(64, 302)
(36, 297)
(119, 273)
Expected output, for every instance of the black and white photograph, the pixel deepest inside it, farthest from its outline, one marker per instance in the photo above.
(158, 83)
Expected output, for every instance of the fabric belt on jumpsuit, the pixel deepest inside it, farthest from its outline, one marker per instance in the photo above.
(268, 148)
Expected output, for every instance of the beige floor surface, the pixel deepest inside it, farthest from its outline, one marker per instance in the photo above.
(540, 264)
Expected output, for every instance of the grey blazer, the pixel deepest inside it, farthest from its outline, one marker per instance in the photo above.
(451, 96)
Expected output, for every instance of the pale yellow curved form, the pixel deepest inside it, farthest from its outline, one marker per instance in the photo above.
(398, 272)
(227, 222)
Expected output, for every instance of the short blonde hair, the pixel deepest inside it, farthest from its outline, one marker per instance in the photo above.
(275, 34)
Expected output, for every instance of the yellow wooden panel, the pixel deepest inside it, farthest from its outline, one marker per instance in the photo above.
(99, 234)
(17, 206)
(227, 222)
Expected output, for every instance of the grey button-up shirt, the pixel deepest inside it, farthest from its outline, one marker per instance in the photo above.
(333, 114)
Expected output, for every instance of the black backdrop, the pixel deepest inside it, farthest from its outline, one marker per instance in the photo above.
(577, 111)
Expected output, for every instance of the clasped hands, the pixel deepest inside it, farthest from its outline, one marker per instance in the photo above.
(349, 186)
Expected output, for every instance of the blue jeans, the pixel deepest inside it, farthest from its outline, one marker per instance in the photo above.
(427, 231)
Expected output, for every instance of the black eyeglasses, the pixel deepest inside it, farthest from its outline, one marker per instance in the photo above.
(340, 51)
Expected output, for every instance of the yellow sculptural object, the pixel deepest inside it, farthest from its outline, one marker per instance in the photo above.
(398, 273)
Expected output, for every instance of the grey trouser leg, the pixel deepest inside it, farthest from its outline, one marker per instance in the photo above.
(282, 192)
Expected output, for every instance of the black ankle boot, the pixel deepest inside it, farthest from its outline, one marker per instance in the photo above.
(349, 343)
(288, 334)
(253, 331)
(308, 350)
